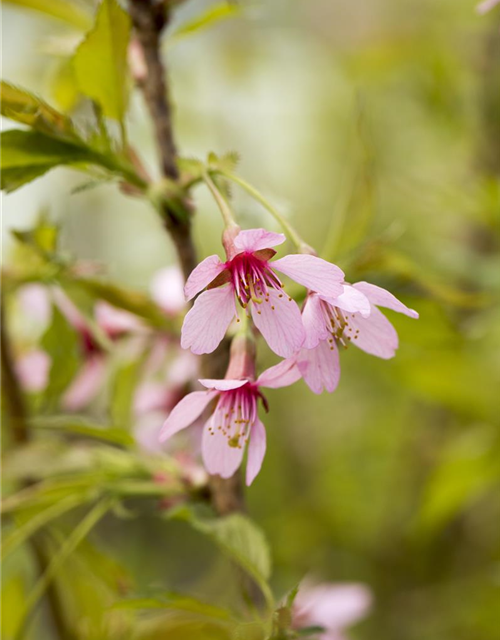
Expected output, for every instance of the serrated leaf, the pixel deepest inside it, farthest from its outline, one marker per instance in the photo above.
(177, 602)
(238, 537)
(227, 162)
(100, 61)
(66, 10)
(213, 15)
(24, 107)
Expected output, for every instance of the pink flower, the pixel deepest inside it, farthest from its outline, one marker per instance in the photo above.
(167, 290)
(116, 322)
(332, 607)
(32, 369)
(234, 422)
(249, 277)
(352, 317)
(486, 5)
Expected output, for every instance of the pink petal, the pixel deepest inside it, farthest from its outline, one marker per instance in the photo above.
(222, 385)
(282, 374)
(333, 606)
(256, 451)
(202, 275)
(352, 301)
(486, 5)
(315, 323)
(280, 322)
(152, 396)
(33, 370)
(69, 310)
(116, 321)
(185, 412)
(382, 298)
(376, 334)
(35, 302)
(167, 290)
(320, 367)
(86, 385)
(254, 239)
(312, 272)
(218, 457)
(206, 323)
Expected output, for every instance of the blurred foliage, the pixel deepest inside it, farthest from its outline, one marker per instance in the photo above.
(380, 123)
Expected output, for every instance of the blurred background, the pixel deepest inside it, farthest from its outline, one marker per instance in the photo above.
(375, 127)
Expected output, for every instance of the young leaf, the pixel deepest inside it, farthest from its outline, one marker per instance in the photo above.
(66, 10)
(177, 602)
(213, 15)
(26, 155)
(83, 426)
(240, 538)
(22, 106)
(100, 61)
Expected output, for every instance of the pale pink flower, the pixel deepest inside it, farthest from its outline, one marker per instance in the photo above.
(486, 5)
(32, 369)
(249, 277)
(167, 290)
(351, 318)
(116, 322)
(86, 384)
(234, 422)
(334, 607)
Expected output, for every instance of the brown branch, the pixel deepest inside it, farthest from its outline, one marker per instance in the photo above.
(150, 18)
(14, 401)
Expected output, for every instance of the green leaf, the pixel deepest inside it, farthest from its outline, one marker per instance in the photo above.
(82, 426)
(213, 15)
(66, 10)
(100, 61)
(26, 155)
(23, 107)
(62, 344)
(25, 530)
(122, 395)
(239, 538)
(178, 602)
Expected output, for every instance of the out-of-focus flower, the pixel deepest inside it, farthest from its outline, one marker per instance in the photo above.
(333, 607)
(351, 318)
(116, 322)
(249, 276)
(234, 422)
(167, 290)
(32, 369)
(486, 5)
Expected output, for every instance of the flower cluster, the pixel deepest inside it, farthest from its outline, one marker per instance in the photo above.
(334, 313)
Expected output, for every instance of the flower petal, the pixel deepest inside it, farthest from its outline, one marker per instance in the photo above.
(255, 239)
(486, 5)
(206, 323)
(167, 290)
(256, 451)
(222, 385)
(320, 367)
(333, 606)
(86, 385)
(282, 374)
(376, 334)
(116, 322)
(185, 412)
(382, 298)
(352, 301)
(312, 272)
(32, 369)
(202, 275)
(278, 319)
(218, 457)
(315, 323)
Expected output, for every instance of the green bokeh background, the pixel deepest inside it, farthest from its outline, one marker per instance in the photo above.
(375, 127)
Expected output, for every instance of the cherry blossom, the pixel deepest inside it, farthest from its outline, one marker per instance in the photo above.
(249, 277)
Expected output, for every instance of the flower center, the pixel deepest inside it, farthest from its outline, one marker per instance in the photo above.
(337, 322)
(235, 413)
(252, 278)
